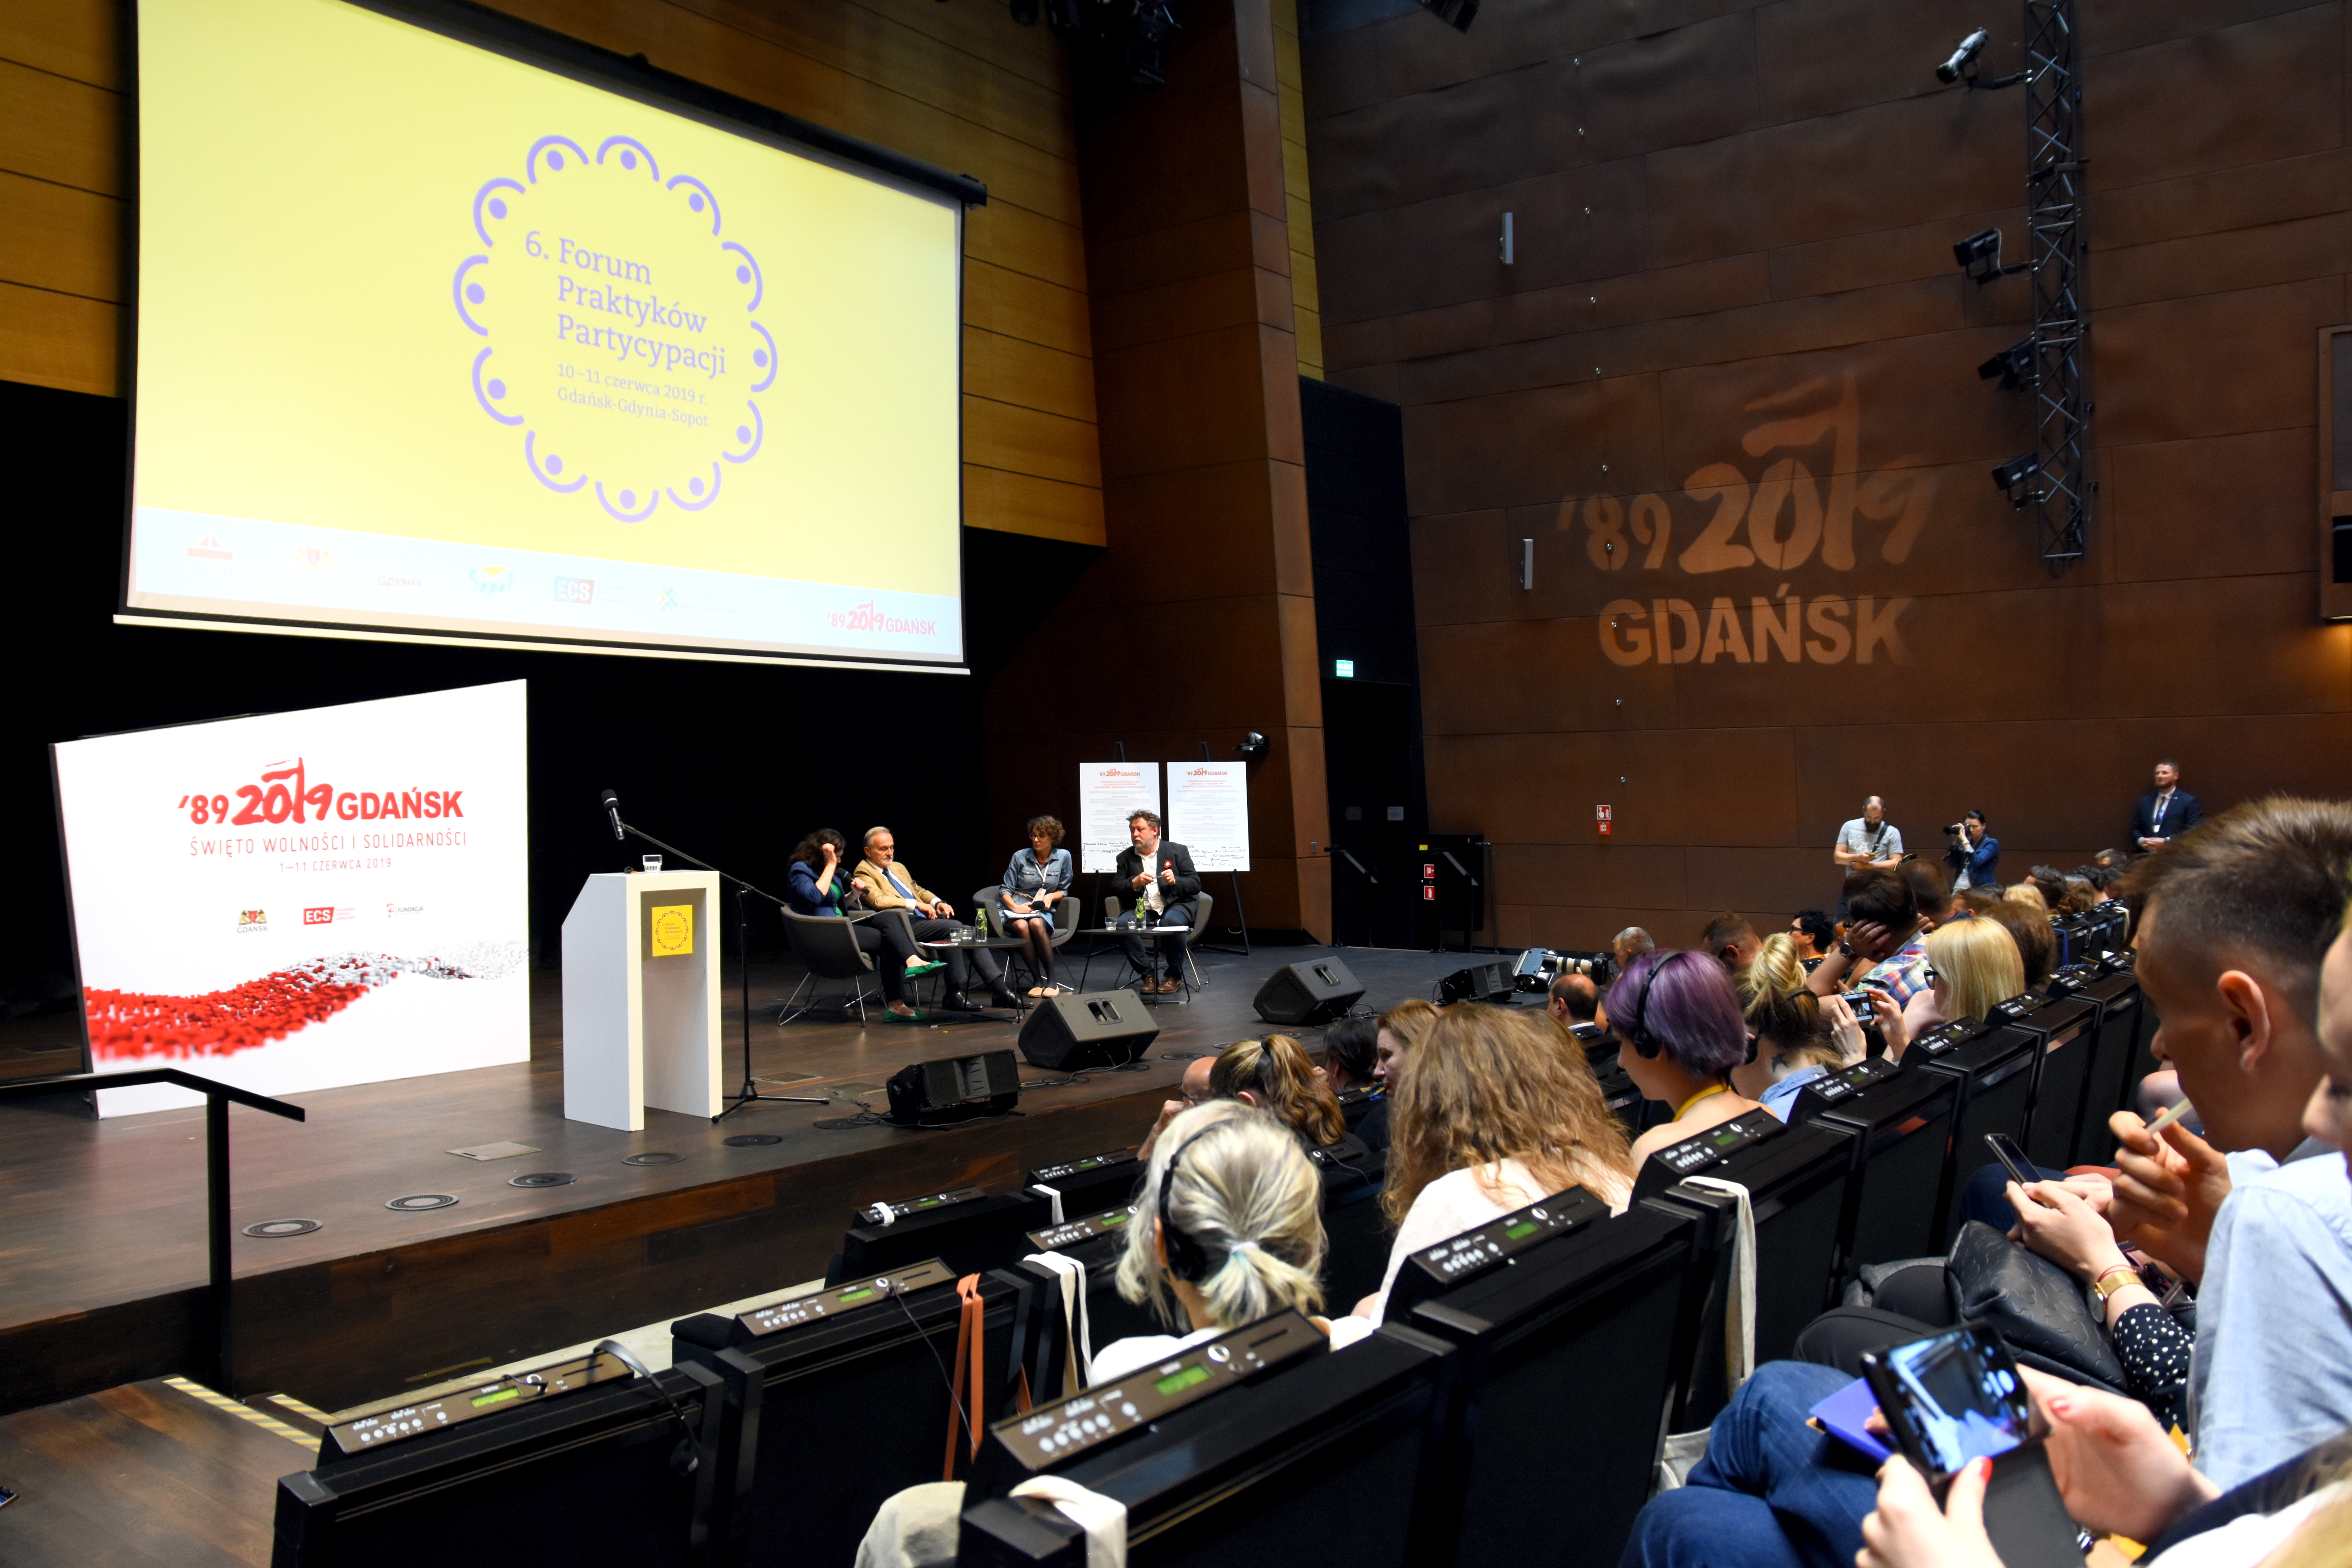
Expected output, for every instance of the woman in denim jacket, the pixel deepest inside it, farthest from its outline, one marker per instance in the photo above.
(1038, 879)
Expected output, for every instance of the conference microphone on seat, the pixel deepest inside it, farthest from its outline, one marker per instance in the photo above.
(612, 810)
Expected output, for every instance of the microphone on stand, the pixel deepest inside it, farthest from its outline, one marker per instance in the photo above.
(612, 810)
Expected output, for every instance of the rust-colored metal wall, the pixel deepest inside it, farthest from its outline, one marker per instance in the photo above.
(1729, 387)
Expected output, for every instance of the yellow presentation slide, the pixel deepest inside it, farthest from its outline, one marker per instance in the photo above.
(436, 341)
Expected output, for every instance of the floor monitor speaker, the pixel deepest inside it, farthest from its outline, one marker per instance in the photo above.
(1082, 1030)
(1314, 991)
(1478, 983)
(954, 1088)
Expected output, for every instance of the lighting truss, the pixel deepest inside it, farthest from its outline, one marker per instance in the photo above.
(2053, 220)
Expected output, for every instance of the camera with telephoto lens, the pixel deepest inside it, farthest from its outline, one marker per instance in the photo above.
(1956, 829)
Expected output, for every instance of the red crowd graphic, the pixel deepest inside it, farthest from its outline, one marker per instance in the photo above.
(222, 1023)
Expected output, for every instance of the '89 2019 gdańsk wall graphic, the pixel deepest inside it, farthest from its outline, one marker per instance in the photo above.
(301, 900)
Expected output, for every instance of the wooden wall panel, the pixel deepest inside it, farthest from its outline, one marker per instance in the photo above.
(1761, 314)
(961, 86)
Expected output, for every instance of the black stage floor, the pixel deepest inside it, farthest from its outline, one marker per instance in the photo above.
(103, 1242)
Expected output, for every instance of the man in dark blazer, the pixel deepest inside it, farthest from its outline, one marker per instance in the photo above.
(2166, 811)
(1158, 872)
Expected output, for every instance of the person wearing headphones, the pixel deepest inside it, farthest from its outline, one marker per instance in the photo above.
(1679, 1032)
(1235, 1232)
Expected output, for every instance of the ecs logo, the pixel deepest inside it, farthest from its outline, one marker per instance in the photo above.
(319, 917)
(575, 589)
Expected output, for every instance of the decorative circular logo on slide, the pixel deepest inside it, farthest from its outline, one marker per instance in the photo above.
(618, 327)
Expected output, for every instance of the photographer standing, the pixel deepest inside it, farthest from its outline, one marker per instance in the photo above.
(1974, 856)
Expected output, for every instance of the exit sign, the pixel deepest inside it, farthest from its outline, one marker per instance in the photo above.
(1345, 668)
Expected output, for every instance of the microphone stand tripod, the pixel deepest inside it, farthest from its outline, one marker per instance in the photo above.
(749, 1092)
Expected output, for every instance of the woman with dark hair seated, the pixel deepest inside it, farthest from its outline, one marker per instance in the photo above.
(1274, 1075)
(819, 886)
(1038, 879)
(1679, 1032)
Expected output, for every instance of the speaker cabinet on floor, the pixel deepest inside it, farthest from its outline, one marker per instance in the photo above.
(953, 1088)
(1478, 983)
(1314, 991)
(1087, 1029)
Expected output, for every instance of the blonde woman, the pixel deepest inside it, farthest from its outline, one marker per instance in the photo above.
(2027, 894)
(1799, 1038)
(1495, 1109)
(1774, 972)
(1275, 1075)
(1975, 965)
(1228, 1229)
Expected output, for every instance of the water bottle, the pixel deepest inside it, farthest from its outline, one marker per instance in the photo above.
(980, 922)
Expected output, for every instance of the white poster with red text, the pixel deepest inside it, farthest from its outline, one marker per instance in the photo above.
(303, 901)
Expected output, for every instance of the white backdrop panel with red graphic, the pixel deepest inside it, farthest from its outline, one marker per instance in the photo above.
(302, 901)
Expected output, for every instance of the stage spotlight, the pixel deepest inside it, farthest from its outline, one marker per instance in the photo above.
(1980, 258)
(2015, 474)
(1965, 56)
(2014, 365)
(1251, 745)
(1455, 13)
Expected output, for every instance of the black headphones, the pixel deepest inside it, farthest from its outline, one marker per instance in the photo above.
(1647, 1045)
(1187, 1259)
(1637, 1031)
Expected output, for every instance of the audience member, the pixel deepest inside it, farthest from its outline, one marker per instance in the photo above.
(1815, 933)
(2236, 919)
(1931, 889)
(1629, 945)
(2051, 883)
(2037, 945)
(2081, 895)
(818, 886)
(2108, 859)
(1882, 941)
(1732, 939)
(1773, 971)
(1574, 998)
(1974, 856)
(1274, 1075)
(2026, 896)
(1799, 1038)
(1973, 964)
(1230, 1228)
(1038, 879)
(1157, 874)
(1866, 841)
(2166, 811)
(1495, 1109)
(889, 885)
(1680, 1033)
(1191, 1089)
(1352, 1049)
(1403, 1027)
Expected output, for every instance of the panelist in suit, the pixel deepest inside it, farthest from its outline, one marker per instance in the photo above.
(888, 885)
(1159, 872)
(2166, 811)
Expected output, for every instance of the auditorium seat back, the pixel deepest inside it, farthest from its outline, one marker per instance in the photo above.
(1902, 1120)
(591, 1472)
(1797, 1181)
(1994, 1066)
(2069, 1027)
(1323, 1457)
(971, 1236)
(1571, 1351)
(822, 1422)
(2121, 1013)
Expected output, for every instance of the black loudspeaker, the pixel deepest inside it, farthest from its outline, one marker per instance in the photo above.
(1087, 1029)
(1479, 982)
(953, 1088)
(1314, 991)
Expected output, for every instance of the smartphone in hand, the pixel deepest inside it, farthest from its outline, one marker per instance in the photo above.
(2012, 1158)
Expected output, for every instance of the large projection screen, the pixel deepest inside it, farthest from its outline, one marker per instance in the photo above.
(440, 336)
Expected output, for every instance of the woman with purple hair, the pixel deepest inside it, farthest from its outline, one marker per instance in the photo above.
(1680, 1033)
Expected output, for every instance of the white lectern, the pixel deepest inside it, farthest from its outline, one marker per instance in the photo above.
(641, 998)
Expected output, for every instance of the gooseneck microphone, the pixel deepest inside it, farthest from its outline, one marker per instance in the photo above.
(612, 810)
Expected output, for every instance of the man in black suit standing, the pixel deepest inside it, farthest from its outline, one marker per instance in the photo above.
(2166, 811)
(1159, 872)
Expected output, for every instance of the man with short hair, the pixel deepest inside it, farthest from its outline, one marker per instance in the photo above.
(1157, 873)
(1630, 945)
(887, 884)
(1733, 940)
(1881, 947)
(1191, 1089)
(2166, 811)
(1932, 893)
(1866, 842)
(1574, 998)
(2236, 923)
(1815, 933)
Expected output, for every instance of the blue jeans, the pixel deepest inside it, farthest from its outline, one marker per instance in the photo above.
(1771, 1492)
